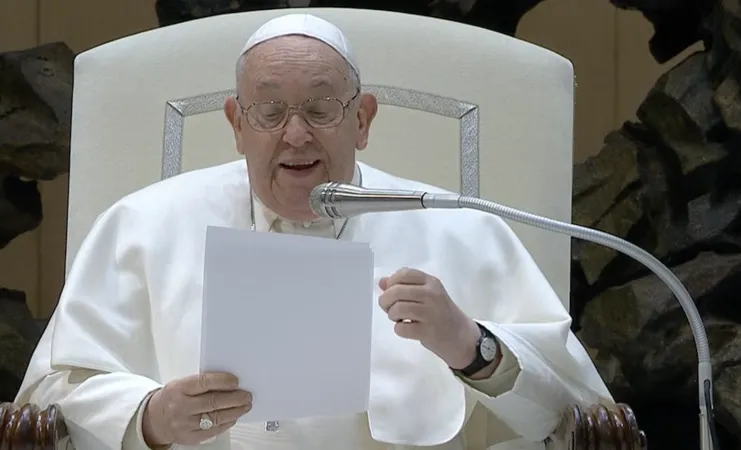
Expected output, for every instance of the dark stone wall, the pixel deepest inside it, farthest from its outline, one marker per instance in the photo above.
(35, 117)
(19, 333)
(502, 16)
(670, 183)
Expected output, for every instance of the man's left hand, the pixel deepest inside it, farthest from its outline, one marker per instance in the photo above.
(423, 311)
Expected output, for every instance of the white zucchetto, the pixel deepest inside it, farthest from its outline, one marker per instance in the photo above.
(305, 25)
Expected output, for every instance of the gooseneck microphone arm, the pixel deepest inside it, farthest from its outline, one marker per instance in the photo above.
(339, 200)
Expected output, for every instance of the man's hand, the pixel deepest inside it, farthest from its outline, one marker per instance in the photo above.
(424, 311)
(174, 412)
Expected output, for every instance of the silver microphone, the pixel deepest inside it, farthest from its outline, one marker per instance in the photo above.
(341, 200)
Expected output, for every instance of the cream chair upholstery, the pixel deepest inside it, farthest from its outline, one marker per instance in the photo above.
(463, 108)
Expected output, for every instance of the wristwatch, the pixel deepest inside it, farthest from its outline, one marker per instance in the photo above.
(487, 351)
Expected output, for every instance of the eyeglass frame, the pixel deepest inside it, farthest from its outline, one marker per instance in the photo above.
(298, 107)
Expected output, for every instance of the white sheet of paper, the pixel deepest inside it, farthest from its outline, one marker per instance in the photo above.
(291, 316)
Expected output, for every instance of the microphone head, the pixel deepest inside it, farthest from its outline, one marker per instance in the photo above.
(318, 197)
(343, 200)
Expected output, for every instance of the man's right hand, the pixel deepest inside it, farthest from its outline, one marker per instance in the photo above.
(173, 413)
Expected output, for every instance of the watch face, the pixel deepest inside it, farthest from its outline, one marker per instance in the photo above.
(488, 349)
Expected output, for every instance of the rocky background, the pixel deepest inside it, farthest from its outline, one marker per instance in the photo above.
(669, 182)
(35, 117)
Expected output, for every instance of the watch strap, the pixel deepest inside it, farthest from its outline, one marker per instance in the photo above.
(479, 361)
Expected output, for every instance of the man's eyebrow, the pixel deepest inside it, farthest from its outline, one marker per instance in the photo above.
(321, 82)
(262, 85)
(265, 84)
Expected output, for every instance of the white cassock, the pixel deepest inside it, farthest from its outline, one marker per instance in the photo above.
(128, 321)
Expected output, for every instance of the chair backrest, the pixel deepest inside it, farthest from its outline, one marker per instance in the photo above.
(462, 108)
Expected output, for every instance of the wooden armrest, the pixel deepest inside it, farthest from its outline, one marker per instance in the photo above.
(597, 428)
(28, 427)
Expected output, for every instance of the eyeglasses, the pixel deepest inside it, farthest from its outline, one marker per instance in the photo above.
(317, 112)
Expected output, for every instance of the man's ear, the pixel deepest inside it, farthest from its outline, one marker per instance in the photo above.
(232, 111)
(366, 113)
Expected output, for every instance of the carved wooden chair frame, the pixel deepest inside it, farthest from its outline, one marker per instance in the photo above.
(30, 427)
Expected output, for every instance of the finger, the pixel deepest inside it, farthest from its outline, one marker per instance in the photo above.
(407, 276)
(412, 330)
(406, 311)
(199, 436)
(216, 400)
(409, 293)
(210, 381)
(383, 282)
(229, 415)
(217, 417)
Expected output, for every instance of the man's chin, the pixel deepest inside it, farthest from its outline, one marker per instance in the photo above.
(297, 215)
(296, 207)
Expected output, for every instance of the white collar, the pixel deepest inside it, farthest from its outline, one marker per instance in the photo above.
(265, 218)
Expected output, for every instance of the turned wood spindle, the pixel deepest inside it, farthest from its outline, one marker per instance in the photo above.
(28, 427)
(598, 428)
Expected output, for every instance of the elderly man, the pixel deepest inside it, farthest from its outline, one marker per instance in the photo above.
(477, 352)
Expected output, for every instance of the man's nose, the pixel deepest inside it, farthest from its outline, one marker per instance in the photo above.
(296, 131)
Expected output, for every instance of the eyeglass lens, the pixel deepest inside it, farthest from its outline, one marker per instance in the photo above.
(318, 113)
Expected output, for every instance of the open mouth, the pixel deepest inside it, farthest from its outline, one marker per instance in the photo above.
(300, 166)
